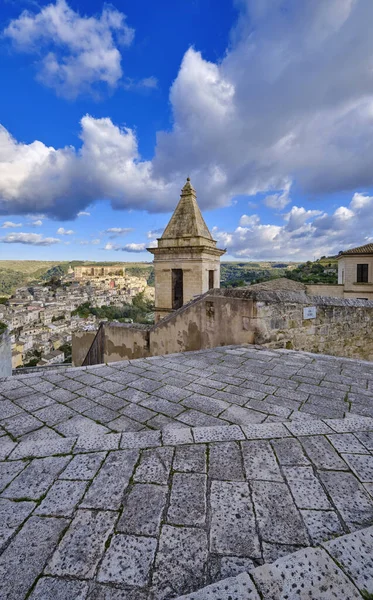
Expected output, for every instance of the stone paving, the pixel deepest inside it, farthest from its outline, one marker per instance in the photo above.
(241, 469)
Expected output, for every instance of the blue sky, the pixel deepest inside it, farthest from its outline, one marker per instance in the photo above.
(105, 109)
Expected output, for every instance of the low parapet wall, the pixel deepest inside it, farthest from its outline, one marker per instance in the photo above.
(5, 355)
(339, 327)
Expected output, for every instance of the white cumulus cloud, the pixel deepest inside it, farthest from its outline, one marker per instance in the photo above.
(290, 101)
(83, 213)
(77, 51)
(10, 225)
(304, 233)
(63, 231)
(32, 239)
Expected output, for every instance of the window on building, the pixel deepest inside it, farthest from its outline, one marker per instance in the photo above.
(211, 280)
(177, 288)
(362, 273)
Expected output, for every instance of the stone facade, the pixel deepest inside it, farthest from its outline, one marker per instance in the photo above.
(91, 271)
(186, 261)
(348, 272)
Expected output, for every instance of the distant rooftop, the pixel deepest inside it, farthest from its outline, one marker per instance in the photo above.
(367, 249)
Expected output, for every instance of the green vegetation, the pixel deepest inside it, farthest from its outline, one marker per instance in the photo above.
(32, 358)
(67, 350)
(60, 318)
(3, 300)
(138, 311)
(316, 272)
(246, 273)
(2, 327)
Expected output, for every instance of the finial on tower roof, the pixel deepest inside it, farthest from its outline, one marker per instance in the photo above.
(188, 178)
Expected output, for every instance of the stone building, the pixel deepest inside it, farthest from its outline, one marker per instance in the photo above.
(93, 271)
(355, 272)
(186, 261)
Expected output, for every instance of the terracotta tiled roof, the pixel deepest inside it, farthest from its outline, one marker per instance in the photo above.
(367, 249)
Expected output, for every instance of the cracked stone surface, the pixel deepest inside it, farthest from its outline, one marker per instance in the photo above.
(209, 474)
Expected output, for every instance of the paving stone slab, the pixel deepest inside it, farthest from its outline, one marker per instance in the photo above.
(232, 530)
(306, 488)
(109, 485)
(6, 447)
(322, 453)
(54, 414)
(307, 574)
(365, 438)
(361, 465)
(12, 514)
(83, 544)
(190, 458)
(350, 424)
(354, 553)
(172, 393)
(196, 418)
(83, 466)
(225, 461)
(8, 409)
(232, 588)
(243, 416)
(128, 560)
(123, 423)
(211, 406)
(188, 499)
(277, 516)
(34, 481)
(177, 436)
(273, 551)
(347, 442)
(51, 588)
(21, 424)
(260, 461)
(8, 472)
(80, 425)
(143, 508)
(44, 447)
(31, 546)
(231, 566)
(154, 466)
(308, 427)
(180, 562)
(161, 405)
(322, 525)
(350, 498)
(95, 443)
(217, 434)
(142, 439)
(290, 452)
(62, 498)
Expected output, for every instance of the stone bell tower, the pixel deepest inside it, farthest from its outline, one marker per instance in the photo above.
(186, 261)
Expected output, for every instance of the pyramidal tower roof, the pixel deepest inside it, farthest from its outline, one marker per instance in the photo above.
(187, 220)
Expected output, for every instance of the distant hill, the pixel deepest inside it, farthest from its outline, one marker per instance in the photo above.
(18, 273)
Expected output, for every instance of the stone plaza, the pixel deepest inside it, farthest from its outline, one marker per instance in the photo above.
(236, 473)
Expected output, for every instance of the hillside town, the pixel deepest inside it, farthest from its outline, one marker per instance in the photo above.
(41, 318)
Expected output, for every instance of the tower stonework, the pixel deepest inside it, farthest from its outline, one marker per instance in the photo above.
(186, 261)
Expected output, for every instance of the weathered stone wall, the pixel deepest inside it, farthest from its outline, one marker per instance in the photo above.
(205, 323)
(82, 341)
(342, 327)
(5, 355)
(124, 341)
